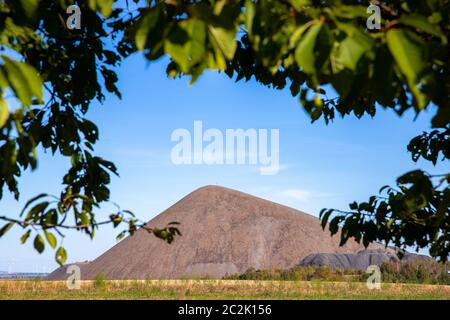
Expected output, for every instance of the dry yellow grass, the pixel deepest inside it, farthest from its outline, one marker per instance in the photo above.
(217, 289)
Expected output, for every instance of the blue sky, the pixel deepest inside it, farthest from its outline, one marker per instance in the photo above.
(321, 166)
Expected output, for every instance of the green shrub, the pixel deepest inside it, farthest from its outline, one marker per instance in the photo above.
(417, 271)
(297, 274)
(100, 281)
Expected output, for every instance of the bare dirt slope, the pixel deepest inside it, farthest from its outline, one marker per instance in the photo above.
(224, 232)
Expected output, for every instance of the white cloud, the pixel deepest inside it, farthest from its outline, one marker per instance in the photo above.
(295, 197)
(297, 194)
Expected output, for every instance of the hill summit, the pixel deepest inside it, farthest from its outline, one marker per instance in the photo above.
(224, 232)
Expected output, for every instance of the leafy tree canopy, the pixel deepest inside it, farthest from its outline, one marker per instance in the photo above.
(55, 73)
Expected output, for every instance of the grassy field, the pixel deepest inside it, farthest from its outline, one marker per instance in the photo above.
(218, 289)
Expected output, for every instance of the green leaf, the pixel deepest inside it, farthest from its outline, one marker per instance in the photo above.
(29, 7)
(299, 4)
(116, 219)
(29, 202)
(223, 39)
(4, 112)
(23, 79)
(61, 256)
(350, 11)
(408, 51)
(314, 49)
(186, 44)
(353, 47)
(51, 239)
(39, 244)
(350, 52)
(39, 208)
(146, 25)
(6, 228)
(334, 225)
(384, 81)
(442, 118)
(249, 15)
(84, 218)
(420, 22)
(103, 6)
(51, 217)
(121, 235)
(305, 53)
(325, 217)
(25, 237)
